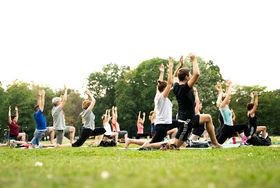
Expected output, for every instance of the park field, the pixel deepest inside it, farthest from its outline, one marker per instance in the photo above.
(115, 167)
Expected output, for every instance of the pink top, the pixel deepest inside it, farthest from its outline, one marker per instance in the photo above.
(140, 128)
(115, 125)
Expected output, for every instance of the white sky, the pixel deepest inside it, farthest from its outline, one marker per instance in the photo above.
(55, 42)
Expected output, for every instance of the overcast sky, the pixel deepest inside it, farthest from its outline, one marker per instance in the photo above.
(57, 42)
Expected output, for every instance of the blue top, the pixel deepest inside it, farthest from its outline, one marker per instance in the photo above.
(40, 120)
(227, 115)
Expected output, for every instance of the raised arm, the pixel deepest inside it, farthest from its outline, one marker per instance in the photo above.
(116, 112)
(228, 94)
(170, 77)
(41, 99)
(197, 101)
(161, 74)
(144, 115)
(220, 94)
(64, 97)
(256, 102)
(9, 115)
(139, 116)
(113, 111)
(178, 68)
(91, 98)
(16, 118)
(196, 71)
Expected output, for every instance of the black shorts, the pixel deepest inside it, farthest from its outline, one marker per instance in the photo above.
(198, 131)
(160, 132)
(186, 126)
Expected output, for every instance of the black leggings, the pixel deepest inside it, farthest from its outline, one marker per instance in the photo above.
(86, 133)
(229, 131)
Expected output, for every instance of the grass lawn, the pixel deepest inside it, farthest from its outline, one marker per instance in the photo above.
(113, 167)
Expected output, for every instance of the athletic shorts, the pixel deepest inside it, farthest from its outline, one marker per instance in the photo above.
(186, 126)
(160, 132)
(198, 131)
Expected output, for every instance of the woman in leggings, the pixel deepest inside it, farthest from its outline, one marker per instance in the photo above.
(228, 129)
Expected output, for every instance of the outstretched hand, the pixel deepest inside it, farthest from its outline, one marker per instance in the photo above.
(228, 83)
(181, 61)
(192, 57)
(16, 108)
(218, 86)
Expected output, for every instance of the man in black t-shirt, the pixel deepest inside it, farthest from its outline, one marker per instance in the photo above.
(183, 90)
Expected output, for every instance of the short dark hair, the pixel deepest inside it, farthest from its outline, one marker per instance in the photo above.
(13, 116)
(183, 73)
(250, 106)
(161, 85)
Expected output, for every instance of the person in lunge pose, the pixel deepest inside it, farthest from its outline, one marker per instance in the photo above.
(163, 110)
(40, 119)
(183, 90)
(88, 128)
(59, 119)
(228, 129)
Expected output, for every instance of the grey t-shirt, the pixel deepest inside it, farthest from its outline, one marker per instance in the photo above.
(88, 119)
(58, 118)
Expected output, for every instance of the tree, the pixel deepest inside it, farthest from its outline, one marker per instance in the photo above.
(102, 85)
(268, 100)
(19, 94)
(73, 109)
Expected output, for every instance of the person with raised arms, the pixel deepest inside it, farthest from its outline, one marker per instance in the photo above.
(14, 133)
(228, 129)
(163, 110)
(59, 119)
(183, 90)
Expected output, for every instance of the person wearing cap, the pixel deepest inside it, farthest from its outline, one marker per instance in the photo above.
(59, 119)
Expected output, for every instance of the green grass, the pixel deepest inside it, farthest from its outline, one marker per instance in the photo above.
(82, 167)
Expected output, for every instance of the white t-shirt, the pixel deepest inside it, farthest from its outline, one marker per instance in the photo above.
(108, 129)
(163, 109)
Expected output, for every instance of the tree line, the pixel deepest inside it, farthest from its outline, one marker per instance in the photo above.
(133, 90)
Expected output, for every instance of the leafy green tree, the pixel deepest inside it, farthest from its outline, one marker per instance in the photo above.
(19, 94)
(3, 113)
(268, 100)
(102, 85)
(73, 109)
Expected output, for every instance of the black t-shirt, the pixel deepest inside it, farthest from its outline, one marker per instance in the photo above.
(186, 100)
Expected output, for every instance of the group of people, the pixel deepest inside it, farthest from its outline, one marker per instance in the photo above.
(190, 123)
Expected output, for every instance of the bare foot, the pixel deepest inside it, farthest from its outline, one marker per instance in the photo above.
(127, 142)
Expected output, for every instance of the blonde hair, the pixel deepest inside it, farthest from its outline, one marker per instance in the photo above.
(86, 104)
